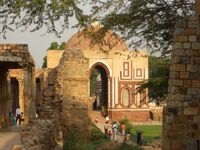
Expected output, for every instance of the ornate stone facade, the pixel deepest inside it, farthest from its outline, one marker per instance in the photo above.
(122, 71)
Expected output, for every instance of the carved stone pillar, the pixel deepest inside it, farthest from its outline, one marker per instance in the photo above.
(21, 95)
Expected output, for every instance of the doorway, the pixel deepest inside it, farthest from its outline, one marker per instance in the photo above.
(99, 87)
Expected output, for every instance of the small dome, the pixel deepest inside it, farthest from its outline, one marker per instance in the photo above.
(84, 40)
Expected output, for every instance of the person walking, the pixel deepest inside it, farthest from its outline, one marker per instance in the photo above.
(114, 128)
(123, 129)
(18, 115)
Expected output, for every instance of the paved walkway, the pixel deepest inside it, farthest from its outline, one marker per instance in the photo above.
(10, 137)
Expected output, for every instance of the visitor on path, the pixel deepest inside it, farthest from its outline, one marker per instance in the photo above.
(38, 110)
(18, 115)
(127, 137)
(107, 119)
(106, 128)
(12, 118)
(109, 134)
(114, 128)
(123, 129)
(139, 138)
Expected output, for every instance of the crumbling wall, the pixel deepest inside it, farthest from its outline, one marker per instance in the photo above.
(72, 86)
(181, 120)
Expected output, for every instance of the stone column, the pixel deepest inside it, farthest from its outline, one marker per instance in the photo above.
(21, 95)
(26, 95)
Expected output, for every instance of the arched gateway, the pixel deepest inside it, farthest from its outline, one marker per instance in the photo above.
(118, 73)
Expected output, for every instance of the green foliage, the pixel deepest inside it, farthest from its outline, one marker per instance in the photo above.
(96, 134)
(73, 140)
(159, 69)
(151, 21)
(96, 138)
(44, 65)
(62, 46)
(149, 132)
(127, 124)
(35, 14)
(56, 46)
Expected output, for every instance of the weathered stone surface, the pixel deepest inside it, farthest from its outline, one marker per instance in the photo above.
(191, 111)
(180, 130)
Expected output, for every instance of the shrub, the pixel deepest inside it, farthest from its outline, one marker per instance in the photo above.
(127, 124)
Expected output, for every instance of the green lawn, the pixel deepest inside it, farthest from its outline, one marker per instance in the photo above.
(149, 132)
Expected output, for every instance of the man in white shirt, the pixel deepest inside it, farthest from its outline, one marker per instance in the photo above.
(18, 115)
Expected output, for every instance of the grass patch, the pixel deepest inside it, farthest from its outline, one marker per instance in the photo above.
(149, 132)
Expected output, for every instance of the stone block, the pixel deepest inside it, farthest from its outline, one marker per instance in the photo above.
(180, 67)
(191, 111)
(178, 97)
(178, 45)
(193, 76)
(184, 75)
(178, 82)
(181, 24)
(188, 98)
(195, 83)
(193, 91)
(196, 45)
(190, 31)
(193, 24)
(189, 52)
(179, 52)
(179, 31)
(192, 68)
(181, 38)
(192, 38)
(187, 45)
(196, 60)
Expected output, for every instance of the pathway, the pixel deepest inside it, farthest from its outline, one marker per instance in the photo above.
(10, 137)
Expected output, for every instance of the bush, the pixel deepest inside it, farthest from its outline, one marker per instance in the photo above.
(96, 134)
(127, 124)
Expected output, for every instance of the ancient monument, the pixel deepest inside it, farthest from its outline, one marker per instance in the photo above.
(17, 71)
(121, 72)
(181, 120)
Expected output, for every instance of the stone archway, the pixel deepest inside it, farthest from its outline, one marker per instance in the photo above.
(100, 86)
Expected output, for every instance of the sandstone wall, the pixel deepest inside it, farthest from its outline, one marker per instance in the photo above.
(181, 120)
(72, 85)
(53, 58)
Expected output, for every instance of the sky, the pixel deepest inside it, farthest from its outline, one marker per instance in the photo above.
(38, 43)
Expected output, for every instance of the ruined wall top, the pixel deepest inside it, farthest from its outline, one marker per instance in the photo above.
(16, 53)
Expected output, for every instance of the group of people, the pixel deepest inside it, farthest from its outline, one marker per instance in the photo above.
(17, 117)
(115, 128)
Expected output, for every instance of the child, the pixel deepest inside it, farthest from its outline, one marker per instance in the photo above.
(109, 134)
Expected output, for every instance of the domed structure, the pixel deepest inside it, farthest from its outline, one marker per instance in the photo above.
(93, 38)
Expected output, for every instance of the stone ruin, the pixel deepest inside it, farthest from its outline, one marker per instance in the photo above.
(15, 58)
(181, 120)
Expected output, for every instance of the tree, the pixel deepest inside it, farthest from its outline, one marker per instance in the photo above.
(62, 46)
(54, 45)
(34, 14)
(158, 78)
(144, 23)
(44, 65)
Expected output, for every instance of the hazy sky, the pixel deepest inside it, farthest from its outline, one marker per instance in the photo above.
(37, 43)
